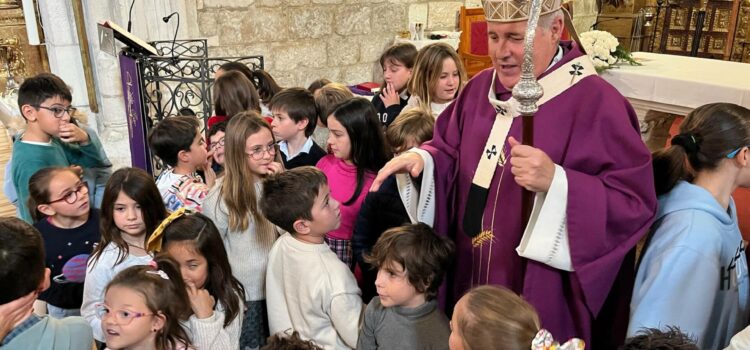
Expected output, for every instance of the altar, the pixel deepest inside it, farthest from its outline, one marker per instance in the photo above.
(678, 84)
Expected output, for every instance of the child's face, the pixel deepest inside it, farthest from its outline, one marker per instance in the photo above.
(338, 140)
(326, 216)
(64, 187)
(286, 128)
(128, 217)
(217, 147)
(394, 287)
(260, 151)
(447, 84)
(45, 119)
(198, 152)
(396, 74)
(126, 320)
(193, 265)
(456, 341)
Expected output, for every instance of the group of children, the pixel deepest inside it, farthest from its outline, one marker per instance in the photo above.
(266, 231)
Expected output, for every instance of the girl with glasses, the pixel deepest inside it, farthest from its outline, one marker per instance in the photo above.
(59, 203)
(232, 204)
(693, 271)
(143, 308)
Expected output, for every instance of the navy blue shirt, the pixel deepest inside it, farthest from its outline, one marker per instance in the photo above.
(60, 245)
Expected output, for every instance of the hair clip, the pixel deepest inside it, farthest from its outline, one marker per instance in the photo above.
(160, 273)
(154, 241)
(544, 341)
(153, 264)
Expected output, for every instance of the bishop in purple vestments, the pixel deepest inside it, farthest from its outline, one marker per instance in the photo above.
(590, 132)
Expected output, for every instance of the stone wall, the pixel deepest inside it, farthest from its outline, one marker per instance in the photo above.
(303, 40)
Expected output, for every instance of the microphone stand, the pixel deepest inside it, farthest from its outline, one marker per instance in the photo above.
(177, 29)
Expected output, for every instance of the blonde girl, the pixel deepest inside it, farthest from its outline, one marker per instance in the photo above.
(250, 154)
(131, 209)
(437, 78)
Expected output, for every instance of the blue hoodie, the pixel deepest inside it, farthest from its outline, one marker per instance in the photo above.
(694, 272)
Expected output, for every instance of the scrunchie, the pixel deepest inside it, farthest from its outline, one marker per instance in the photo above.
(154, 241)
(687, 141)
(544, 341)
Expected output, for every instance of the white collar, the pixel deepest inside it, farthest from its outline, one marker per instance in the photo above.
(283, 147)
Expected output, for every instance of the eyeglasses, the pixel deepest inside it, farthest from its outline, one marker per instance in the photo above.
(72, 196)
(217, 144)
(122, 317)
(734, 153)
(257, 153)
(58, 111)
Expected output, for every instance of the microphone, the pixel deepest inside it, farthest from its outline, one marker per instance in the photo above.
(174, 39)
(167, 18)
(130, 15)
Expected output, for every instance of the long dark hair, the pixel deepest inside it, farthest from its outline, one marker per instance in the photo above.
(165, 296)
(140, 186)
(707, 136)
(368, 148)
(265, 84)
(205, 239)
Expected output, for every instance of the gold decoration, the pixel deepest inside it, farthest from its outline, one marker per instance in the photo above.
(482, 238)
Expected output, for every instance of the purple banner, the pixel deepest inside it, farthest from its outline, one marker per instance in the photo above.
(131, 90)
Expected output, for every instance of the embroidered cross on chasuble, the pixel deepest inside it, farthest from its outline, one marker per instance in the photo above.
(495, 155)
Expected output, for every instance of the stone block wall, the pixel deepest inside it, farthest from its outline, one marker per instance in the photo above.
(303, 40)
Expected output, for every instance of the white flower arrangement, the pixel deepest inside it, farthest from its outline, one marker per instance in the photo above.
(604, 50)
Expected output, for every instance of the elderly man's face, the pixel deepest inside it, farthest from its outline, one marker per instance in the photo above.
(506, 48)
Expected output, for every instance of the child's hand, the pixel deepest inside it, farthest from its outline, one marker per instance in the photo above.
(274, 168)
(390, 96)
(69, 133)
(208, 172)
(201, 301)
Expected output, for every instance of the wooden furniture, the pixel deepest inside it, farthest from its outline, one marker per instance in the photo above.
(472, 47)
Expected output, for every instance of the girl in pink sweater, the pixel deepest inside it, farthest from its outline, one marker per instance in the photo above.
(359, 151)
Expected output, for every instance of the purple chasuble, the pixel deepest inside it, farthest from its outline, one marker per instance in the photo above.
(592, 132)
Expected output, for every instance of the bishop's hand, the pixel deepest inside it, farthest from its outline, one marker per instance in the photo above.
(531, 167)
(410, 162)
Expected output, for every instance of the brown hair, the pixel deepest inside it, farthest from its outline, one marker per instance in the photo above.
(293, 341)
(299, 104)
(424, 255)
(317, 84)
(234, 93)
(265, 85)
(139, 186)
(400, 53)
(494, 315)
(172, 135)
(238, 189)
(164, 297)
(707, 135)
(414, 124)
(427, 70)
(328, 97)
(21, 259)
(39, 188)
(290, 196)
(672, 338)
